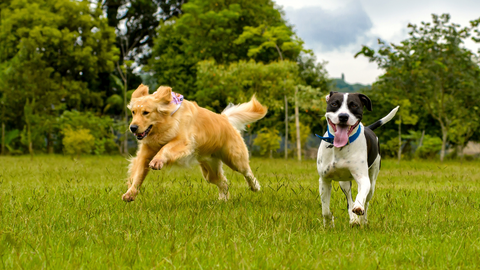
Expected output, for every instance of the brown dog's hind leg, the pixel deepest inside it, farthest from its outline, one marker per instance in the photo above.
(212, 172)
(238, 161)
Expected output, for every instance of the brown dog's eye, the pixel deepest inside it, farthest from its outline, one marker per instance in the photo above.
(145, 113)
(133, 112)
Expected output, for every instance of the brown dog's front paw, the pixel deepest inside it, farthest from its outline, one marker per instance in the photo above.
(127, 197)
(156, 164)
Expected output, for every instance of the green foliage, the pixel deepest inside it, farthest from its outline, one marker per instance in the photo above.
(430, 147)
(101, 129)
(268, 140)
(77, 142)
(341, 86)
(10, 137)
(312, 73)
(208, 29)
(305, 131)
(219, 85)
(434, 71)
(281, 38)
(53, 52)
(389, 148)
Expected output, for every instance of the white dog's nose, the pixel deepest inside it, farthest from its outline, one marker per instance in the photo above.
(343, 117)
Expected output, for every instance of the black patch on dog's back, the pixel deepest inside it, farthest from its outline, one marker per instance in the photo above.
(373, 146)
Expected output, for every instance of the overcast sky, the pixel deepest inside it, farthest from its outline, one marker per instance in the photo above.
(336, 29)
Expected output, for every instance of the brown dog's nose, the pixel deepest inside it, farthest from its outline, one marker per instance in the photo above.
(133, 128)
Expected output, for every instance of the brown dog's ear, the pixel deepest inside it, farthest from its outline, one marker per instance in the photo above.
(366, 101)
(163, 93)
(141, 91)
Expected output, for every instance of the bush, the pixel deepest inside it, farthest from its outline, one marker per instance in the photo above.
(100, 129)
(268, 140)
(77, 142)
(430, 147)
(389, 148)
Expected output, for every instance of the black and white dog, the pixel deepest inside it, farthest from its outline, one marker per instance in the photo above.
(349, 149)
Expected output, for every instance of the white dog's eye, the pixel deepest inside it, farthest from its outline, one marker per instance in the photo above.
(353, 105)
(334, 104)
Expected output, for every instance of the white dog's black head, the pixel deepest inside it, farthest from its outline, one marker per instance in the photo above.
(344, 113)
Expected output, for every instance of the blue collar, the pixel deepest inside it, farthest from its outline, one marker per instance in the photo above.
(330, 136)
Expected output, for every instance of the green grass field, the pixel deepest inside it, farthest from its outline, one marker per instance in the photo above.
(64, 214)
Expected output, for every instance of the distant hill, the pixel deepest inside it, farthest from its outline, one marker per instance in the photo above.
(343, 86)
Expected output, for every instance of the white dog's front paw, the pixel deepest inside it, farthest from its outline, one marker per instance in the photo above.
(358, 209)
(328, 221)
(355, 220)
(358, 221)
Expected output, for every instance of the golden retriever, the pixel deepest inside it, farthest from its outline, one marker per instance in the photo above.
(172, 130)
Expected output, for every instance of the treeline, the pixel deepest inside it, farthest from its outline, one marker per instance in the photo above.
(67, 69)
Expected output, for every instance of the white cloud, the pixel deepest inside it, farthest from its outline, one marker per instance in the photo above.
(337, 29)
(329, 30)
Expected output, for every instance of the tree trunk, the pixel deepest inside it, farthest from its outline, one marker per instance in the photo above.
(286, 127)
(460, 152)
(297, 126)
(49, 143)
(444, 142)
(3, 138)
(29, 137)
(271, 153)
(125, 137)
(421, 139)
(399, 139)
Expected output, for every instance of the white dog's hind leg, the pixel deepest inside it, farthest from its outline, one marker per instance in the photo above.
(373, 173)
(346, 187)
(325, 194)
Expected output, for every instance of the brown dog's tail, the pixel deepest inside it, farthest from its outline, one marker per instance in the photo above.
(245, 113)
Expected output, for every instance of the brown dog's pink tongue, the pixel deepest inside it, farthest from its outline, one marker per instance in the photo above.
(341, 136)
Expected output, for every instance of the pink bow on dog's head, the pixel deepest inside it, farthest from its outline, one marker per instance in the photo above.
(177, 98)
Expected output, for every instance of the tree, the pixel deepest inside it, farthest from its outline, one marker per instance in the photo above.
(309, 95)
(433, 70)
(206, 30)
(219, 84)
(135, 25)
(306, 98)
(268, 140)
(282, 39)
(54, 52)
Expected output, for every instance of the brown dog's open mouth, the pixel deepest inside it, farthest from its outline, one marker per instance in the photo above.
(144, 134)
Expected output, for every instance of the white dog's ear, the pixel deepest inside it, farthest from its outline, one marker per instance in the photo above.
(141, 91)
(327, 97)
(163, 93)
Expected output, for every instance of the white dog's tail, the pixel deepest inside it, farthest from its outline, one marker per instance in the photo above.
(384, 120)
(245, 113)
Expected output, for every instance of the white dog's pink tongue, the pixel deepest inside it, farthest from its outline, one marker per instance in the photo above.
(341, 136)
